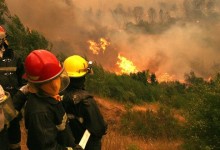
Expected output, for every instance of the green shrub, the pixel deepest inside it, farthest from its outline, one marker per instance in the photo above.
(203, 125)
(151, 125)
(123, 87)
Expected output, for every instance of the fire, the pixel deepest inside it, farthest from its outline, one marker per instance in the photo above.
(126, 65)
(97, 47)
(165, 77)
(94, 47)
(209, 79)
(104, 43)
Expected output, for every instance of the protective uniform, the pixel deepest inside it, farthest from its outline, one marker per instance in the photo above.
(7, 113)
(11, 68)
(45, 118)
(80, 106)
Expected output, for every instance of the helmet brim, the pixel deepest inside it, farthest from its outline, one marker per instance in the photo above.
(77, 75)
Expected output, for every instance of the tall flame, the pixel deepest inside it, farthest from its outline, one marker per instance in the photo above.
(97, 47)
(126, 65)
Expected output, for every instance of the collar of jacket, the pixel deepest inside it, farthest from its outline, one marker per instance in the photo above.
(50, 99)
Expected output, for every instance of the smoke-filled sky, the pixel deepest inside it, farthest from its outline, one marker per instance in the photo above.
(69, 24)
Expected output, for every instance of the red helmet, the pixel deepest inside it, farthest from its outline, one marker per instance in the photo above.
(41, 66)
(2, 33)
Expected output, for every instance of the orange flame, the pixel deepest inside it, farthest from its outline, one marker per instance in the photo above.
(165, 77)
(104, 43)
(126, 65)
(94, 47)
(209, 79)
(97, 47)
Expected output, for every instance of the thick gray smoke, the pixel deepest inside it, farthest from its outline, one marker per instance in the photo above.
(69, 24)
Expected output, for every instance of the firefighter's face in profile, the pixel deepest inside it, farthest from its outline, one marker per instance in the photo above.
(52, 87)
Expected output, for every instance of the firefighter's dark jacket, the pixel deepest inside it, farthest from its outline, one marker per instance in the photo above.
(11, 71)
(45, 121)
(19, 100)
(84, 113)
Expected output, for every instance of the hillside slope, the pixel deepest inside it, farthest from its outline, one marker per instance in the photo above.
(114, 140)
(112, 112)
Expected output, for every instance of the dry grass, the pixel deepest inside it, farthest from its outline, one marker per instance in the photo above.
(115, 141)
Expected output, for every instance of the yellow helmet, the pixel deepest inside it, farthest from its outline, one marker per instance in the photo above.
(76, 66)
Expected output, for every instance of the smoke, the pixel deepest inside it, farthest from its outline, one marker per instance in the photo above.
(69, 24)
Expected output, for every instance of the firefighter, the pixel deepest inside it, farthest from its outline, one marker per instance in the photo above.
(81, 107)
(10, 78)
(7, 113)
(3, 41)
(11, 66)
(7, 64)
(45, 117)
